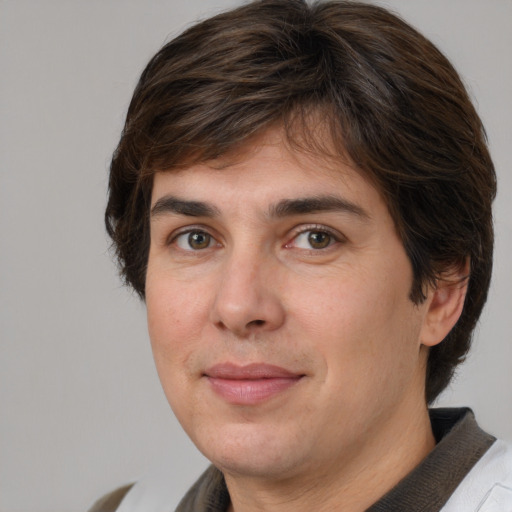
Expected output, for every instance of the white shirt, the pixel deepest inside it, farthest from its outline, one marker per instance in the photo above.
(488, 486)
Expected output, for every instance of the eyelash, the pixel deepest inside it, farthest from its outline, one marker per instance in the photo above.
(191, 230)
(334, 238)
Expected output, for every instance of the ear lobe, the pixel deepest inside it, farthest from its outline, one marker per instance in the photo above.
(446, 302)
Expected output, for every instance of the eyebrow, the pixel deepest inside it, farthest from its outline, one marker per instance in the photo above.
(283, 208)
(305, 205)
(171, 204)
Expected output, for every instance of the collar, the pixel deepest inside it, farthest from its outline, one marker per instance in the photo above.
(460, 445)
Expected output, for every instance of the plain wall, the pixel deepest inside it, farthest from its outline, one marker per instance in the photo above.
(81, 410)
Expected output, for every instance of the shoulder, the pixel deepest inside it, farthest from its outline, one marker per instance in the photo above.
(488, 486)
(111, 501)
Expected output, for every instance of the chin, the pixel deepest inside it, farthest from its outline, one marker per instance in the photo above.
(251, 450)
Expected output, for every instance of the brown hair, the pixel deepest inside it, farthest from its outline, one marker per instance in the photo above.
(391, 101)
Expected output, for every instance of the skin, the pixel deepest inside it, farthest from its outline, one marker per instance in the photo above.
(323, 294)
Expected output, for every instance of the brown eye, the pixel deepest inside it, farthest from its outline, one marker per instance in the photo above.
(194, 240)
(199, 240)
(319, 239)
(316, 239)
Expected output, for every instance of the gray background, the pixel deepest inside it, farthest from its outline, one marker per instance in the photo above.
(80, 404)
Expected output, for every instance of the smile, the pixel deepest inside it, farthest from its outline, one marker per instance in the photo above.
(251, 384)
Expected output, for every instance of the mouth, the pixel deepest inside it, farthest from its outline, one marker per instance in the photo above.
(250, 384)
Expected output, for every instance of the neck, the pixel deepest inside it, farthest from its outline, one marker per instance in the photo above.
(356, 482)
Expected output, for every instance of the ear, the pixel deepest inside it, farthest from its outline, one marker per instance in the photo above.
(445, 304)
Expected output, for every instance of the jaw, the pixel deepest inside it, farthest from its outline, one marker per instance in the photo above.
(358, 477)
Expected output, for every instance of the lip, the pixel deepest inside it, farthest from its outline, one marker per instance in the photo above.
(250, 384)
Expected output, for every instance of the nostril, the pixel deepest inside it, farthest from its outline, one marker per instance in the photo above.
(256, 322)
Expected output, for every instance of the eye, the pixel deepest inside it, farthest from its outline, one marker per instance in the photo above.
(313, 239)
(194, 240)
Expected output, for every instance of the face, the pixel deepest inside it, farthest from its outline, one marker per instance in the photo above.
(279, 315)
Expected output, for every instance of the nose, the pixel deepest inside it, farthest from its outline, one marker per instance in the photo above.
(247, 300)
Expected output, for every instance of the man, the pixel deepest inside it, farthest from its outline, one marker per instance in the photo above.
(302, 196)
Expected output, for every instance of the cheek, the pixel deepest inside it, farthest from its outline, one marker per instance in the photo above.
(173, 333)
(173, 304)
(174, 312)
(365, 328)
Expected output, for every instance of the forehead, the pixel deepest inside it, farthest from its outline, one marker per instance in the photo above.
(268, 168)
